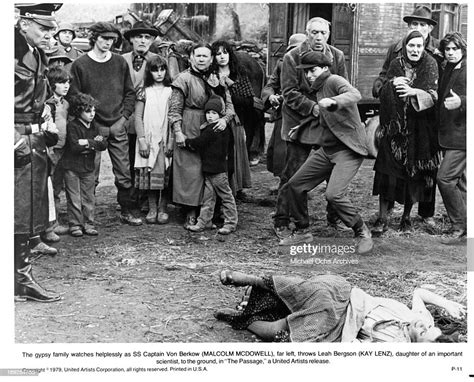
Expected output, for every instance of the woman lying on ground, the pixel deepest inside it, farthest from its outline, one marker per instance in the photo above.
(326, 308)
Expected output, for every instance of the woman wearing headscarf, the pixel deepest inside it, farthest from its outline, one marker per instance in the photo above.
(190, 92)
(406, 164)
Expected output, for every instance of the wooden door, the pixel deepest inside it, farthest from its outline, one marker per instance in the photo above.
(277, 34)
(343, 32)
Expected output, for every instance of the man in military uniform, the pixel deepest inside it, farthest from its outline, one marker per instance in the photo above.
(65, 36)
(34, 131)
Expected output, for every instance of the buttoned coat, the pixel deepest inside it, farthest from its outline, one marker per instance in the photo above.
(295, 86)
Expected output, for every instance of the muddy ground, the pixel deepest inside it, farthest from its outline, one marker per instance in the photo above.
(156, 283)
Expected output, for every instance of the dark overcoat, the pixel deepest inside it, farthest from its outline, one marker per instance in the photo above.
(295, 87)
(31, 159)
(452, 123)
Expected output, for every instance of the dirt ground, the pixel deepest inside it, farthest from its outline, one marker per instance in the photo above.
(156, 283)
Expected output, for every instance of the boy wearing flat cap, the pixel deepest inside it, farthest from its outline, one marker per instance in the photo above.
(34, 131)
(341, 142)
(105, 76)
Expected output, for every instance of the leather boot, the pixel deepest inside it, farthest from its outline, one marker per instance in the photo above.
(26, 287)
(365, 244)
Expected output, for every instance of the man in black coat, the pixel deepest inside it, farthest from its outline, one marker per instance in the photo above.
(452, 134)
(34, 131)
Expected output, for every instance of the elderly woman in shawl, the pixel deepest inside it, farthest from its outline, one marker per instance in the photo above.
(190, 92)
(408, 157)
(327, 308)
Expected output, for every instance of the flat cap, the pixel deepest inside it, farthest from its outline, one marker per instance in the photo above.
(312, 59)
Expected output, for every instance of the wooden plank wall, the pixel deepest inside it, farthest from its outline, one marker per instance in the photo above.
(380, 25)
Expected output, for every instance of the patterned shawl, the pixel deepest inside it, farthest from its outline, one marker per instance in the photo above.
(408, 125)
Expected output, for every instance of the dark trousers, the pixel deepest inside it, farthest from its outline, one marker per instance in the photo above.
(452, 186)
(218, 185)
(80, 199)
(132, 143)
(296, 155)
(118, 148)
(340, 168)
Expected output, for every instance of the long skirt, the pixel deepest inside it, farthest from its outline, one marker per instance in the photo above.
(188, 180)
(393, 183)
(240, 178)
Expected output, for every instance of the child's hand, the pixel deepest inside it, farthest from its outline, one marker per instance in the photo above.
(83, 142)
(99, 138)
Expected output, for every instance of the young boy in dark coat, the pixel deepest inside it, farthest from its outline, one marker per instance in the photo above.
(82, 142)
(213, 146)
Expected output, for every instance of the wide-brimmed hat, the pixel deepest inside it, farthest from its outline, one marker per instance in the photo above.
(312, 59)
(138, 28)
(65, 27)
(295, 40)
(423, 13)
(41, 13)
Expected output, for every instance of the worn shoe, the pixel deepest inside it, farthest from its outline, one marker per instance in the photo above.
(190, 221)
(456, 237)
(430, 222)
(61, 230)
(76, 232)
(50, 237)
(195, 228)
(26, 287)
(282, 232)
(44, 249)
(129, 219)
(405, 224)
(365, 244)
(151, 217)
(254, 162)
(91, 231)
(163, 218)
(380, 226)
(298, 236)
(227, 314)
(226, 230)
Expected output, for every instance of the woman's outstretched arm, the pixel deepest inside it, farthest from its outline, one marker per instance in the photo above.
(422, 296)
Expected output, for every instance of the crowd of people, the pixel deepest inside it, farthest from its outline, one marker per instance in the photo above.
(185, 137)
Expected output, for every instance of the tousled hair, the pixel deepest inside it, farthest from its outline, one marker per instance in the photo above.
(81, 102)
(456, 38)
